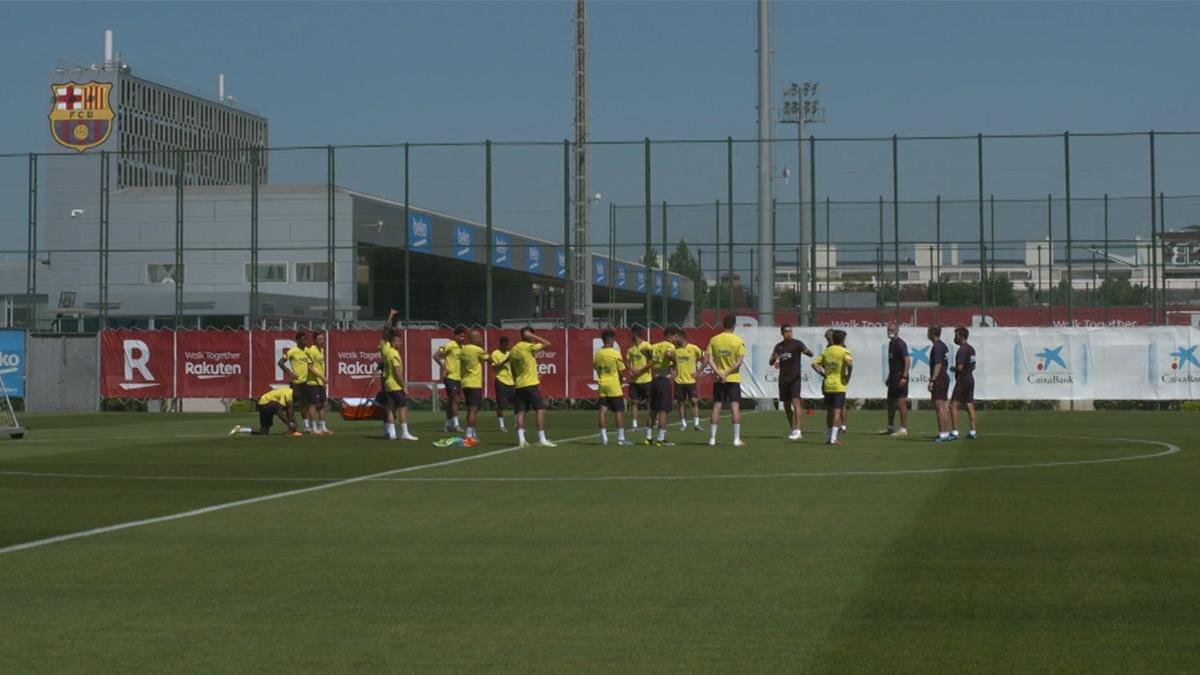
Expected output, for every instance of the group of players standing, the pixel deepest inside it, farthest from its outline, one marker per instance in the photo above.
(660, 376)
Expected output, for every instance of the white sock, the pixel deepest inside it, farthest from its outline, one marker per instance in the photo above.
(404, 429)
(500, 421)
(634, 423)
(306, 427)
(323, 427)
(737, 431)
(712, 433)
(521, 436)
(455, 421)
(683, 425)
(245, 430)
(695, 421)
(620, 434)
(391, 431)
(470, 432)
(604, 436)
(843, 427)
(649, 433)
(542, 437)
(904, 430)
(833, 435)
(662, 434)
(954, 432)
(943, 434)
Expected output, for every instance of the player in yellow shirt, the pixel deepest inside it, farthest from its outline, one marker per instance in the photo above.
(834, 365)
(448, 360)
(274, 403)
(725, 354)
(503, 383)
(471, 358)
(523, 357)
(318, 403)
(639, 374)
(296, 361)
(662, 364)
(391, 374)
(687, 359)
(609, 367)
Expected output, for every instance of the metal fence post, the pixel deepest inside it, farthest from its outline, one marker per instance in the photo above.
(729, 211)
(31, 243)
(896, 218)
(982, 254)
(879, 296)
(828, 244)
(487, 198)
(1153, 233)
(937, 272)
(649, 245)
(568, 275)
(1050, 257)
(663, 264)
(1106, 299)
(717, 252)
(1070, 239)
(407, 235)
(102, 290)
(330, 240)
(179, 273)
(812, 225)
(254, 164)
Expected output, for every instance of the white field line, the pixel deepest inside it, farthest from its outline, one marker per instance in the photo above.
(1169, 449)
(255, 500)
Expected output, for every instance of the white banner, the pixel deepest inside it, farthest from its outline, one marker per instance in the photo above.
(1151, 363)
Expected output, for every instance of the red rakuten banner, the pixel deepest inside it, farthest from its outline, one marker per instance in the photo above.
(266, 348)
(352, 363)
(212, 364)
(137, 364)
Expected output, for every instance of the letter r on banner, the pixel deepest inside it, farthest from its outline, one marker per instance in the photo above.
(137, 356)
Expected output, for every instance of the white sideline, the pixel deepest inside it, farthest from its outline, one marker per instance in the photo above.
(255, 500)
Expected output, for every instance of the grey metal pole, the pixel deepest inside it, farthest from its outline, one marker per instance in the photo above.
(766, 244)
(896, 218)
(937, 274)
(571, 273)
(179, 277)
(407, 243)
(828, 244)
(649, 245)
(487, 191)
(982, 254)
(1050, 256)
(666, 281)
(729, 211)
(1070, 240)
(717, 254)
(1106, 302)
(32, 242)
(1153, 233)
(331, 241)
(254, 187)
(812, 224)
(105, 168)
(801, 248)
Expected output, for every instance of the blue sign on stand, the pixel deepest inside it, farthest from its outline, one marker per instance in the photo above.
(12, 362)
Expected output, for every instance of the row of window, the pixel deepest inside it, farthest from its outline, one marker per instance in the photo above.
(268, 272)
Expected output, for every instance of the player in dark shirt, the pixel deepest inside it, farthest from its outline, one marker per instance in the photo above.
(899, 363)
(964, 381)
(939, 381)
(786, 357)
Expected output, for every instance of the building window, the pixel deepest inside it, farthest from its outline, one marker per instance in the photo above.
(269, 273)
(166, 274)
(312, 271)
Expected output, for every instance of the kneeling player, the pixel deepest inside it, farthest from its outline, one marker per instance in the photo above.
(608, 366)
(964, 381)
(274, 403)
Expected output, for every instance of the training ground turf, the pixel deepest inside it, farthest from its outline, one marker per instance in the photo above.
(1030, 549)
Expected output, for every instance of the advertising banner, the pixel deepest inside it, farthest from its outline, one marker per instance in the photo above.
(137, 364)
(212, 364)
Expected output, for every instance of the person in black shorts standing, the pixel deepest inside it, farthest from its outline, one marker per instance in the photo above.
(899, 363)
(939, 381)
(639, 375)
(964, 381)
(786, 357)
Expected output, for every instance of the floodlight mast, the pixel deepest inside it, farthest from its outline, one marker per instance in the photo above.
(581, 265)
(801, 107)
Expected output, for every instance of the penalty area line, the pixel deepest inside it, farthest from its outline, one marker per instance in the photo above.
(83, 534)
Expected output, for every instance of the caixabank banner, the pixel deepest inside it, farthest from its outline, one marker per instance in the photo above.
(12, 362)
(1151, 363)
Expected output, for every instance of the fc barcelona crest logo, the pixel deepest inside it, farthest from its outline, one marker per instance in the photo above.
(80, 114)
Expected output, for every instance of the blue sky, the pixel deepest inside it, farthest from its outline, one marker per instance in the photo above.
(349, 72)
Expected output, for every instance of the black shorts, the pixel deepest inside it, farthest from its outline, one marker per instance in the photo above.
(964, 390)
(834, 401)
(300, 393)
(398, 398)
(473, 396)
(790, 389)
(727, 393)
(941, 388)
(504, 394)
(453, 387)
(895, 390)
(660, 395)
(685, 392)
(266, 415)
(639, 392)
(528, 398)
(613, 403)
(316, 394)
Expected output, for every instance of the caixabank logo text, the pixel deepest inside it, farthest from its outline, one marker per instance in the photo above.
(1049, 364)
(1173, 364)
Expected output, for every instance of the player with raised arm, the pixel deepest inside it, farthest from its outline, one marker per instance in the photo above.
(899, 363)
(639, 375)
(964, 381)
(392, 374)
(786, 357)
(939, 381)
(528, 396)
(835, 365)
(687, 359)
(503, 382)
(296, 361)
(662, 363)
(471, 358)
(318, 399)
(447, 358)
(274, 403)
(609, 367)
(725, 354)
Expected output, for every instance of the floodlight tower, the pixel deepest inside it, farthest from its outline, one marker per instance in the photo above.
(766, 239)
(581, 265)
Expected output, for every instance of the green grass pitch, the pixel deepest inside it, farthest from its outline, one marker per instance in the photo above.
(1027, 550)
